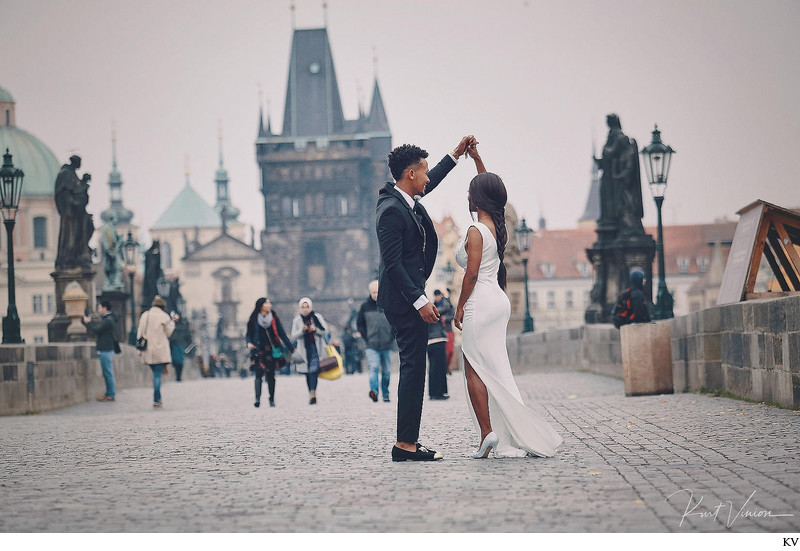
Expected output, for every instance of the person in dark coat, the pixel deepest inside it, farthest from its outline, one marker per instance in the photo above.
(265, 332)
(437, 360)
(377, 333)
(105, 328)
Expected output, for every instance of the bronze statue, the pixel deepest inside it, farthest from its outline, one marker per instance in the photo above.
(72, 196)
(152, 271)
(620, 185)
(111, 251)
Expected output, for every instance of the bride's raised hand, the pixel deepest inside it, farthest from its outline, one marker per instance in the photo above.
(472, 151)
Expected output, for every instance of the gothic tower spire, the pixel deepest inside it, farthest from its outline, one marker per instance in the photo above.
(223, 206)
(123, 216)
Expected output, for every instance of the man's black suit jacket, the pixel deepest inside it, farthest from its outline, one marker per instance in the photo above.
(405, 263)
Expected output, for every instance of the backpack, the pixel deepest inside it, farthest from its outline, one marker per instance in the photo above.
(623, 313)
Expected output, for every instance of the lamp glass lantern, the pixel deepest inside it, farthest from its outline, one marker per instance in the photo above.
(130, 250)
(657, 159)
(163, 286)
(523, 234)
(10, 187)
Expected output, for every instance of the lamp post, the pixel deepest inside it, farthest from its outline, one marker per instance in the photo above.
(523, 233)
(657, 157)
(10, 188)
(131, 253)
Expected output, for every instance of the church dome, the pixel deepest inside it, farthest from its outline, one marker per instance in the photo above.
(5, 95)
(29, 154)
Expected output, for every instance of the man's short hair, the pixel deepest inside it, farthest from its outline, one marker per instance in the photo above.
(105, 304)
(404, 156)
(437, 292)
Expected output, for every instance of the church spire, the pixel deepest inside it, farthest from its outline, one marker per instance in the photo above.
(377, 114)
(223, 206)
(122, 215)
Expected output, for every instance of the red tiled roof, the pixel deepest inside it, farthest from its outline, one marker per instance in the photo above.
(565, 249)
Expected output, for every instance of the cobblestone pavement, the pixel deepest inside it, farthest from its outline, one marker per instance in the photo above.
(209, 461)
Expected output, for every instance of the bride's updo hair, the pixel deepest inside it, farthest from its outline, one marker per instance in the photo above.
(488, 193)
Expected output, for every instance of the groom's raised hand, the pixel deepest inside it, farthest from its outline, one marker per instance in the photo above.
(429, 313)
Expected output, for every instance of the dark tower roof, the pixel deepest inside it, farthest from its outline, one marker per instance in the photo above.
(313, 106)
(377, 114)
(592, 211)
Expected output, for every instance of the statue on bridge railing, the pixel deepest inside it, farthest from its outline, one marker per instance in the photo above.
(72, 196)
(621, 184)
(111, 253)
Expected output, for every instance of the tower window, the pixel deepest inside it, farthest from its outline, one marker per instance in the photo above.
(40, 232)
(166, 256)
(316, 263)
(8, 117)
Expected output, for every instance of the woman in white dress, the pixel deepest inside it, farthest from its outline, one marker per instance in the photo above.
(507, 426)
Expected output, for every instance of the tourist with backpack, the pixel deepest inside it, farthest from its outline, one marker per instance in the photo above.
(631, 306)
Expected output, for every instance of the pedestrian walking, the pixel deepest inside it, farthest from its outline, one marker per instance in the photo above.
(156, 327)
(379, 339)
(180, 339)
(446, 311)
(105, 329)
(310, 331)
(437, 360)
(265, 334)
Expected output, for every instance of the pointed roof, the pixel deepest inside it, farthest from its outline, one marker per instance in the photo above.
(377, 114)
(188, 210)
(123, 215)
(313, 106)
(223, 247)
(261, 132)
(221, 178)
(592, 211)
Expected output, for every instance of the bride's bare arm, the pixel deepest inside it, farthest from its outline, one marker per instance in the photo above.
(472, 151)
(474, 247)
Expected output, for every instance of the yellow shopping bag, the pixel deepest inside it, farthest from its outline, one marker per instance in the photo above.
(331, 368)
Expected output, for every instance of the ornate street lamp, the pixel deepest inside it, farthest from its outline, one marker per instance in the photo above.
(130, 250)
(523, 233)
(657, 157)
(10, 189)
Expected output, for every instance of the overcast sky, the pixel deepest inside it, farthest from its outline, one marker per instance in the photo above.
(532, 80)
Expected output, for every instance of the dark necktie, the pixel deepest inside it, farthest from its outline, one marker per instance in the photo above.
(418, 213)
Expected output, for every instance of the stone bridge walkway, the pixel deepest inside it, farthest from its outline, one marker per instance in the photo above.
(210, 461)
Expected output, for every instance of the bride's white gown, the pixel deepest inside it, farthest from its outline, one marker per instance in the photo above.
(520, 430)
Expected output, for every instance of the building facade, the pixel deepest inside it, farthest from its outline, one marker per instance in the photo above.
(36, 228)
(320, 177)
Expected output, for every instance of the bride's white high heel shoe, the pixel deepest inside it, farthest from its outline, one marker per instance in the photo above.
(489, 443)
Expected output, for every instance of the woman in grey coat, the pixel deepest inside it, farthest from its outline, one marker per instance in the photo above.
(310, 330)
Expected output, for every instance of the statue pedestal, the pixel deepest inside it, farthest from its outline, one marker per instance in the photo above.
(613, 262)
(57, 327)
(119, 305)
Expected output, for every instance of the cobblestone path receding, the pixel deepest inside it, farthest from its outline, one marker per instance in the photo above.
(211, 462)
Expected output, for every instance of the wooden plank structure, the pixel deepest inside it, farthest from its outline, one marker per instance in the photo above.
(764, 230)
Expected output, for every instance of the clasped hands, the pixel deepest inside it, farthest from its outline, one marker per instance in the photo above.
(468, 145)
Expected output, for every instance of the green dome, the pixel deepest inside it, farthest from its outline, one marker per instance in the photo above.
(31, 156)
(5, 95)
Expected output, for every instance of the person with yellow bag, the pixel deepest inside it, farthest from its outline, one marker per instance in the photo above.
(310, 331)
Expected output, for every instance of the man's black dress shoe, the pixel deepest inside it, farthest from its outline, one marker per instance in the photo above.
(442, 397)
(422, 454)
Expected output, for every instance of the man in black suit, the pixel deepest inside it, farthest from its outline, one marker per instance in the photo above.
(408, 247)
